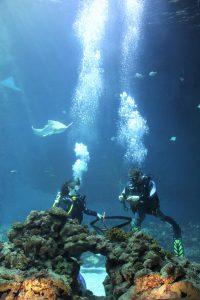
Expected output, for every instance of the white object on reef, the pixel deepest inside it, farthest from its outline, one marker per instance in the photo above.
(139, 76)
(52, 127)
(153, 73)
(173, 138)
(10, 84)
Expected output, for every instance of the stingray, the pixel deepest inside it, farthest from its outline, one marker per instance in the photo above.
(52, 127)
(10, 83)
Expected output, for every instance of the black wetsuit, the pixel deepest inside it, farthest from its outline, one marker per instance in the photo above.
(75, 206)
(148, 203)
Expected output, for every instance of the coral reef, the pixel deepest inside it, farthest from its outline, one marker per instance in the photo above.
(40, 260)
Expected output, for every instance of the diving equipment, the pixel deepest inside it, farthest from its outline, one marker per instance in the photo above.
(57, 199)
(178, 248)
(134, 229)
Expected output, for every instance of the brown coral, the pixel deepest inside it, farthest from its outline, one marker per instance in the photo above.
(116, 235)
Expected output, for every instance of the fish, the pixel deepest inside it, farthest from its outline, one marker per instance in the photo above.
(52, 127)
(181, 79)
(172, 138)
(139, 76)
(198, 106)
(10, 84)
(153, 73)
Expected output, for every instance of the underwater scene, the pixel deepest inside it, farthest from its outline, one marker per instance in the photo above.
(99, 149)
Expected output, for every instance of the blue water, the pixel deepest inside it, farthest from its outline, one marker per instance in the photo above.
(40, 49)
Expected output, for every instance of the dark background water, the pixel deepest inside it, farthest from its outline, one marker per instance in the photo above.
(42, 53)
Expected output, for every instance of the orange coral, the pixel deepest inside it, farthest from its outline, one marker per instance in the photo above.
(35, 288)
(153, 286)
(148, 282)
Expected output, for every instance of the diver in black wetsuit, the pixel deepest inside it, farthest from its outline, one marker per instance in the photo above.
(140, 193)
(72, 202)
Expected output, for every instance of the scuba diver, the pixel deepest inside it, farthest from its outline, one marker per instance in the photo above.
(140, 193)
(72, 202)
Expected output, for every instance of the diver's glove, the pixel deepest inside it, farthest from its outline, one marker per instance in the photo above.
(100, 216)
(122, 198)
(56, 201)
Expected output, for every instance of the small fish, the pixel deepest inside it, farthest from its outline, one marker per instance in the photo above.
(51, 175)
(173, 138)
(139, 76)
(181, 79)
(13, 171)
(153, 73)
(52, 127)
(198, 106)
(64, 112)
(47, 171)
(181, 12)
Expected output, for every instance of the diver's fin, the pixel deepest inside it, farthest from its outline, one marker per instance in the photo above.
(178, 247)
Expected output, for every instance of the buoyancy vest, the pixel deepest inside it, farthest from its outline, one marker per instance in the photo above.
(140, 188)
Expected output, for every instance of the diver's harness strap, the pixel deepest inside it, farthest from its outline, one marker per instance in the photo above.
(134, 203)
(72, 199)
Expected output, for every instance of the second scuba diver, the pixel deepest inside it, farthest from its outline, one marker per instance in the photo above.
(72, 202)
(140, 193)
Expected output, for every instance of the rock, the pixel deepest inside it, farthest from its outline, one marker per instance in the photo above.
(41, 259)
